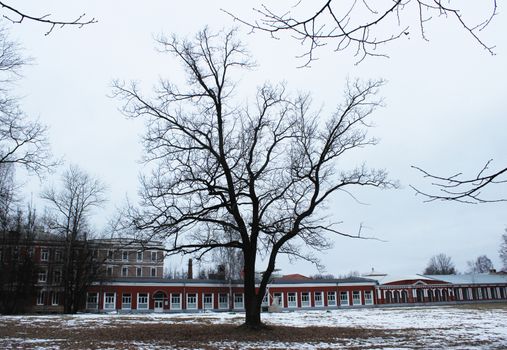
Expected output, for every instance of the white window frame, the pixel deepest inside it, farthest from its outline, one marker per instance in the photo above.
(316, 302)
(205, 305)
(292, 300)
(124, 271)
(281, 302)
(124, 304)
(153, 256)
(195, 304)
(110, 254)
(107, 295)
(123, 253)
(356, 301)
(42, 276)
(96, 303)
(44, 254)
(344, 302)
(109, 268)
(55, 298)
(40, 298)
(153, 272)
(331, 301)
(57, 276)
(58, 255)
(237, 303)
(223, 303)
(305, 299)
(147, 303)
(265, 300)
(175, 306)
(139, 269)
(368, 297)
(139, 253)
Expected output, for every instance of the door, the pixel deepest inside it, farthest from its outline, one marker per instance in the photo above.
(159, 305)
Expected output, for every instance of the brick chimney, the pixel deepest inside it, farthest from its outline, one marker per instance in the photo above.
(190, 273)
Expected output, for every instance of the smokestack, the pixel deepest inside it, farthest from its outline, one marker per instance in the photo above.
(190, 273)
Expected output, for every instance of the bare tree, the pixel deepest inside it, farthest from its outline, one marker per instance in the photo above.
(440, 264)
(263, 171)
(464, 189)
(361, 26)
(480, 265)
(22, 141)
(14, 15)
(503, 250)
(71, 207)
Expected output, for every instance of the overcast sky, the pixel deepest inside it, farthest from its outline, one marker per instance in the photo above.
(445, 111)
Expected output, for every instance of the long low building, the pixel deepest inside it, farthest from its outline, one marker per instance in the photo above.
(293, 292)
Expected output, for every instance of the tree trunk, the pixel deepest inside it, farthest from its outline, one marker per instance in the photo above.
(252, 302)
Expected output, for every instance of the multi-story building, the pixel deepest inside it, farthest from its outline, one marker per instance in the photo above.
(42, 270)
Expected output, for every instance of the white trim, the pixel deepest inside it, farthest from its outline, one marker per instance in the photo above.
(171, 304)
(292, 302)
(237, 305)
(147, 301)
(123, 303)
(196, 301)
(224, 305)
(212, 301)
(114, 301)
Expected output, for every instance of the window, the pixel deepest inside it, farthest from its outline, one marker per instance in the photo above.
(44, 255)
(139, 255)
(207, 301)
(40, 298)
(110, 255)
(92, 301)
(238, 301)
(192, 301)
(125, 255)
(142, 301)
(153, 272)
(223, 301)
(265, 300)
(368, 297)
(356, 297)
(318, 299)
(126, 301)
(331, 298)
(278, 299)
(125, 271)
(55, 298)
(57, 276)
(153, 256)
(42, 277)
(176, 301)
(109, 271)
(305, 299)
(139, 272)
(291, 300)
(344, 298)
(58, 255)
(109, 301)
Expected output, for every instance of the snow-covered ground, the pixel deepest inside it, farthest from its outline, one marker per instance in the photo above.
(412, 327)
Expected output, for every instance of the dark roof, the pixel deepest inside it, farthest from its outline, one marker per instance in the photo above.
(323, 281)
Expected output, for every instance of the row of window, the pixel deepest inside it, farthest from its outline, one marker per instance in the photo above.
(125, 271)
(125, 254)
(44, 255)
(175, 300)
(41, 298)
(42, 276)
(192, 299)
(318, 298)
